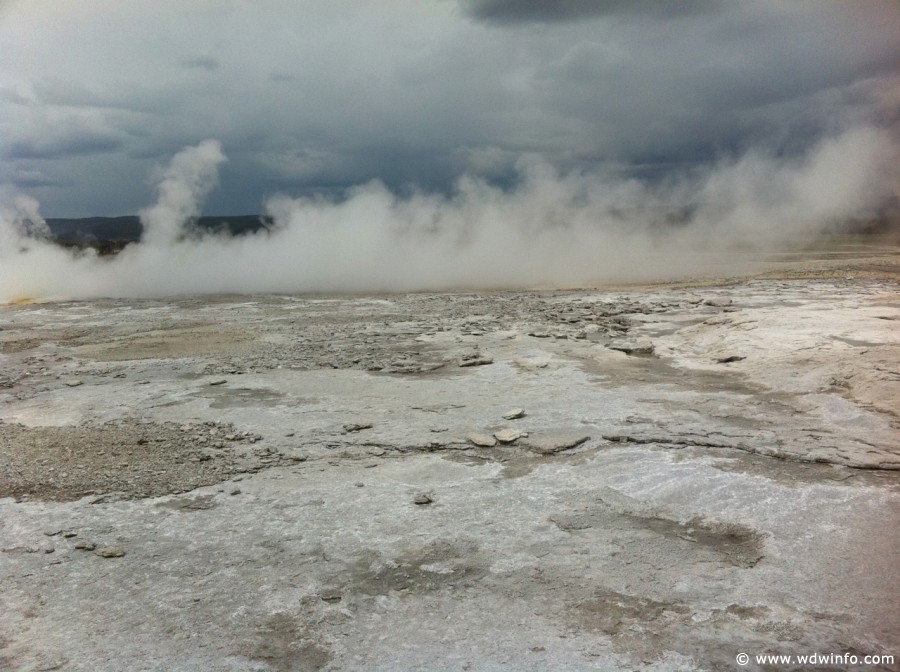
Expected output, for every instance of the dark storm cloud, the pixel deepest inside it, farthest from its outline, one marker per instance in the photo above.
(72, 144)
(526, 11)
(308, 96)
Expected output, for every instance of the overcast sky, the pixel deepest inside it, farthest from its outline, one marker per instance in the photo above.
(314, 96)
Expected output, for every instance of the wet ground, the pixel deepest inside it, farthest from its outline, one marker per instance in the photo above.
(685, 472)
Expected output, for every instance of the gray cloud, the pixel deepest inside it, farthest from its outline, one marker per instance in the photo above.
(199, 62)
(526, 11)
(418, 94)
(71, 144)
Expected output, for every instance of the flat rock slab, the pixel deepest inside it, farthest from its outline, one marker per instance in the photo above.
(476, 361)
(481, 440)
(509, 435)
(643, 346)
(110, 552)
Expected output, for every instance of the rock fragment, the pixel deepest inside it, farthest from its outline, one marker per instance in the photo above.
(74, 383)
(476, 360)
(717, 301)
(110, 552)
(641, 346)
(514, 414)
(356, 426)
(85, 546)
(729, 359)
(422, 499)
(507, 436)
(481, 440)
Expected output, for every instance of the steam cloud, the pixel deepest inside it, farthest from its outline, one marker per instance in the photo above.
(554, 228)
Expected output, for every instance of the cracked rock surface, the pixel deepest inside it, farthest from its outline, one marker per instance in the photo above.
(316, 483)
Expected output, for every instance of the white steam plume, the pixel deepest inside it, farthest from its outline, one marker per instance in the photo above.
(20, 223)
(555, 228)
(181, 190)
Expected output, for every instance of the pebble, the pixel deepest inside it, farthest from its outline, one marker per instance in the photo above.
(74, 383)
(236, 491)
(221, 381)
(110, 552)
(85, 545)
(514, 414)
(422, 498)
(356, 426)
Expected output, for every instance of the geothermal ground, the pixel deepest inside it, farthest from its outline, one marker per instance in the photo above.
(654, 478)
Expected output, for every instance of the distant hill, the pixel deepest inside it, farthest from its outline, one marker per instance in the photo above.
(96, 228)
(90, 230)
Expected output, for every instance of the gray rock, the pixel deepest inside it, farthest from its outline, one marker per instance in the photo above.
(85, 545)
(640, 346)
(110, 552)
(356, 426)
(718, 301)
(476, 361)
(514, 414)
(422, 498)
(74, 383)
(481, 440)
(509, 435)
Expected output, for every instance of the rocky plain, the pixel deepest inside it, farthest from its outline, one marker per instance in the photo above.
(654, 477)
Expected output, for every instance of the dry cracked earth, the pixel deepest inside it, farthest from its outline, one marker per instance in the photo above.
(640, 478)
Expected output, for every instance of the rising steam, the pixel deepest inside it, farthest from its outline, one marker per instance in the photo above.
(181, 188)
(554, 228)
